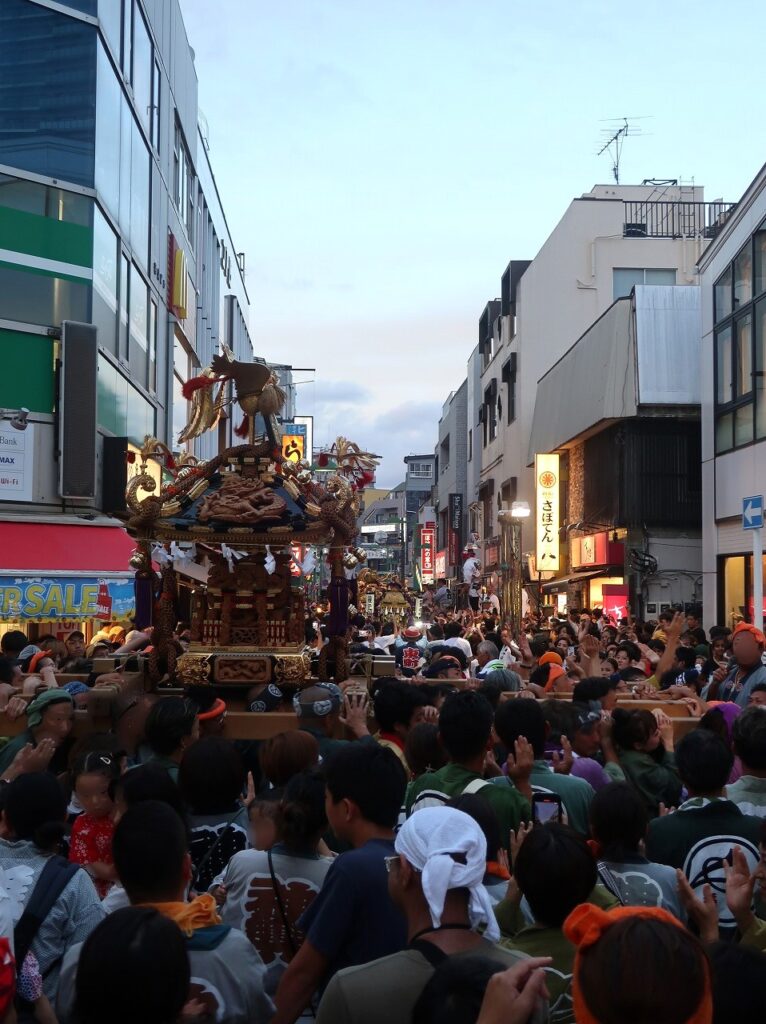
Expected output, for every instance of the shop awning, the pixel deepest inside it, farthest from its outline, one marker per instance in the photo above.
(605, 570)
(42, 548)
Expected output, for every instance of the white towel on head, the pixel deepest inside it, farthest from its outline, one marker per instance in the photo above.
(427, 840)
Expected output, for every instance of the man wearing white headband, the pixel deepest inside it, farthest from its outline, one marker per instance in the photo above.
(435, 879)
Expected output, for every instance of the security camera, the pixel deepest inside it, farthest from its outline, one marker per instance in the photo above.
(19, 419)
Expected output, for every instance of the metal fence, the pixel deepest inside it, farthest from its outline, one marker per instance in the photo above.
(675, 220)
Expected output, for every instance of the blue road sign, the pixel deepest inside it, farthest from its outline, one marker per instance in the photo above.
(752, 512)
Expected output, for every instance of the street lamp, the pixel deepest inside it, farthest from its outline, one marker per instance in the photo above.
(512, 581)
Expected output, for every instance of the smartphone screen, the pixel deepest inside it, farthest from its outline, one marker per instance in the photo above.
(546, 807)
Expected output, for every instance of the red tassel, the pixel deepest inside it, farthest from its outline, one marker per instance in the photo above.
(244, 428)
(170, 462)
(323, 459)
(194, 384)
(365, 479)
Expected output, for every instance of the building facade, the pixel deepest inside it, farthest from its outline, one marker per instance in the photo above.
(733, 283)
(109, 216)
(608, 241)
(451, 484)
(628, 452)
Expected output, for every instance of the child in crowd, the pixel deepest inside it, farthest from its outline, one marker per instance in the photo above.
(92, 831)
(644, 741)
(262, 812)
(619, 823)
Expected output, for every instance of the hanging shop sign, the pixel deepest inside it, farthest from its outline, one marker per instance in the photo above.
(547, 512)
(440, 564)
(44, 598)
(455, 527)
(427, 539)
(294, 437)
(369, 604)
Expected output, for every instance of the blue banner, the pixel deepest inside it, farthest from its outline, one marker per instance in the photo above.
(62, 597)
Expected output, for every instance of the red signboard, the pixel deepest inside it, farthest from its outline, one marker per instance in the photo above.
(595, 549)
(491, 552)
(440, 564)
(615, 600)
(427, 538)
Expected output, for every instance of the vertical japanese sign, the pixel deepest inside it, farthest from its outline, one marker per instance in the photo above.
(440, 564)
(427, 555)
(455, 538)
(547, 512)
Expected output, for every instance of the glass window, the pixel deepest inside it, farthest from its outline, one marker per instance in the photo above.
(139, 194)
(663, 277)
(139, 317)
(760, 262)
(110, 17)
(44, 201)
(723, 300)
(142, 69)
(40, 298)
(156, 91)
(140, 419)
(110, 397)
(724, 391)
(183, 183)
(733, 590)
(723, 433)
(760, 368)
(86, 6)
(126, 121)
(127, 36)
(743, 277)
(124, 306)
(743, 363)
(105, 304)
(108, 101)
(625, 278)
(743, 424)
(152, 381)
(47, 117)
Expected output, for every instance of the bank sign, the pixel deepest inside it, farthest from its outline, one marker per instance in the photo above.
(46, 598)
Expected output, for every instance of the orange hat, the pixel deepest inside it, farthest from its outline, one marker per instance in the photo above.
(551, 658)
(745, 627)
(587, 924)
(556, 672)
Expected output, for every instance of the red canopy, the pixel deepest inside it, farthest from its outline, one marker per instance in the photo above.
(33, 548)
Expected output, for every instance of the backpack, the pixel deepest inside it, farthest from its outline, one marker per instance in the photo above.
(436, 798)
(53, 879)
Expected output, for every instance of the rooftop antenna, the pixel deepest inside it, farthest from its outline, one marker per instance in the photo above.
(613, 139)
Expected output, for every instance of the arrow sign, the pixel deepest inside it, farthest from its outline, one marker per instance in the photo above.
(752, 512)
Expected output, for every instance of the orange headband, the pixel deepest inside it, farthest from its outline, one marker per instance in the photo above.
(745, 627)
(556, 672)
(550, 658)
(217, 708)
(587, 924)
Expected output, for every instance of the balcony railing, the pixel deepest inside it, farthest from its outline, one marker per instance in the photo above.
(675, 220)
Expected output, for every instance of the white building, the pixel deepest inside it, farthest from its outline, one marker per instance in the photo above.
(608, 241)
(733, 280)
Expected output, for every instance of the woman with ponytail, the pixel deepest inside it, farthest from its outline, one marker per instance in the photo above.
(34, 817)
(266, 892)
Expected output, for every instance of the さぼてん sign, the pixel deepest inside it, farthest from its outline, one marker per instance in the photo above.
(547, 512)
(427, 555)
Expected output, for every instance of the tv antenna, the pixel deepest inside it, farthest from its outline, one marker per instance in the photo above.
(613, 139)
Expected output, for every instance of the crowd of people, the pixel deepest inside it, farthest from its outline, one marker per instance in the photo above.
(433, 848)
